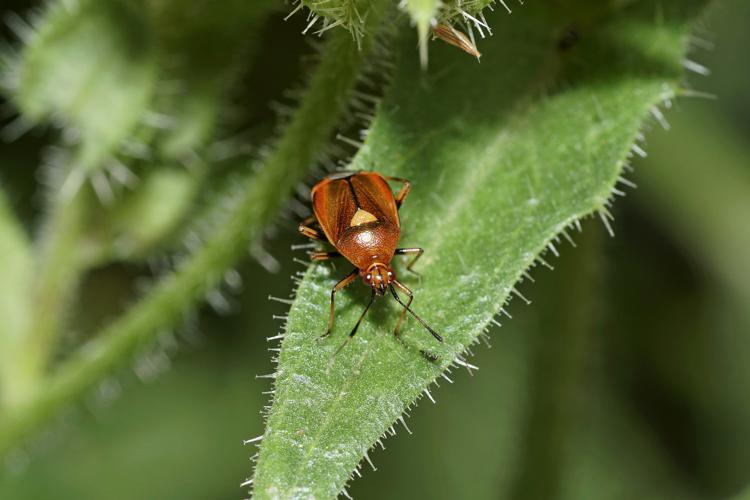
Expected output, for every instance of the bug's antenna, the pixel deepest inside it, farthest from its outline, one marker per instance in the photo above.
(429, 329)
(356, 327)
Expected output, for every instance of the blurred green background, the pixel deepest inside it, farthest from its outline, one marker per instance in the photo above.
(650, 401)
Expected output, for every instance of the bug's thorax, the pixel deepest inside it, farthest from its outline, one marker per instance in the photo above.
(371, 242)
(378, 276)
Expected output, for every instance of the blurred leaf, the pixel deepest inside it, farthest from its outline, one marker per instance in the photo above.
(695, 186)
(716, 47)
(743, 495)
(614, 454)
(88, 66)
(205, 49)
(142, 219)
(516, 150)
(709, 222)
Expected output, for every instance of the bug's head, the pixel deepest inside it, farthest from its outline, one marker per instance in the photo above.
(378, 276)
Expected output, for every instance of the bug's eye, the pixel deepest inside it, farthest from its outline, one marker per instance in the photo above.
(390, 274)
(369, 277)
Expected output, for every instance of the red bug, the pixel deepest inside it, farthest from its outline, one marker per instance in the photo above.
(358, 214)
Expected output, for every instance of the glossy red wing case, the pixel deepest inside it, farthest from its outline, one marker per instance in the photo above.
(337, 199)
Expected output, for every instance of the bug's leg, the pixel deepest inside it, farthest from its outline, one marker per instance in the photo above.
(305, 229)
(410, 251)
(397, 330)
(320, 256)
(431, 357)
(407, 308)
(401, 195)
(339, 286)
(356, 327)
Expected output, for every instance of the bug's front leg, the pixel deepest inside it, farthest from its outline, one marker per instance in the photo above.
(397, 330)
(305, 229)
(339, 286)
(408, 292)
(416, 251)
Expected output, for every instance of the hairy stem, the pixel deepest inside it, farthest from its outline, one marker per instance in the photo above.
(310, 128)
(15, 268)
(562, 342)
(59, 265)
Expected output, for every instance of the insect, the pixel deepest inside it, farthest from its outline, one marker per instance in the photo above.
(358, 214)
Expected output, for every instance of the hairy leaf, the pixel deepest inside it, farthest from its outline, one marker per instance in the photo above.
(520, 147)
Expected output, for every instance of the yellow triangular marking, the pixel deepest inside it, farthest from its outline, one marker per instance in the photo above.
(362, 217)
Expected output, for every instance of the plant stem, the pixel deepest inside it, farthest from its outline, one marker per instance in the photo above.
(562, 341)
(59, 265)
(310, 128)
(16, 270)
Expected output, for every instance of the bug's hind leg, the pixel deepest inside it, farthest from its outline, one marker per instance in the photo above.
(411, 251)
(405, 188)
(339, 286)
(404, 289)
(321, 256)
(429, 356)
(305, 229)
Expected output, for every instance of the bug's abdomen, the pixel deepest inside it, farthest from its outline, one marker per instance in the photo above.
(367, 243)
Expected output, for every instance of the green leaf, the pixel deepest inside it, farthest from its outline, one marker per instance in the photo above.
(90, 67)
(520, 148)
